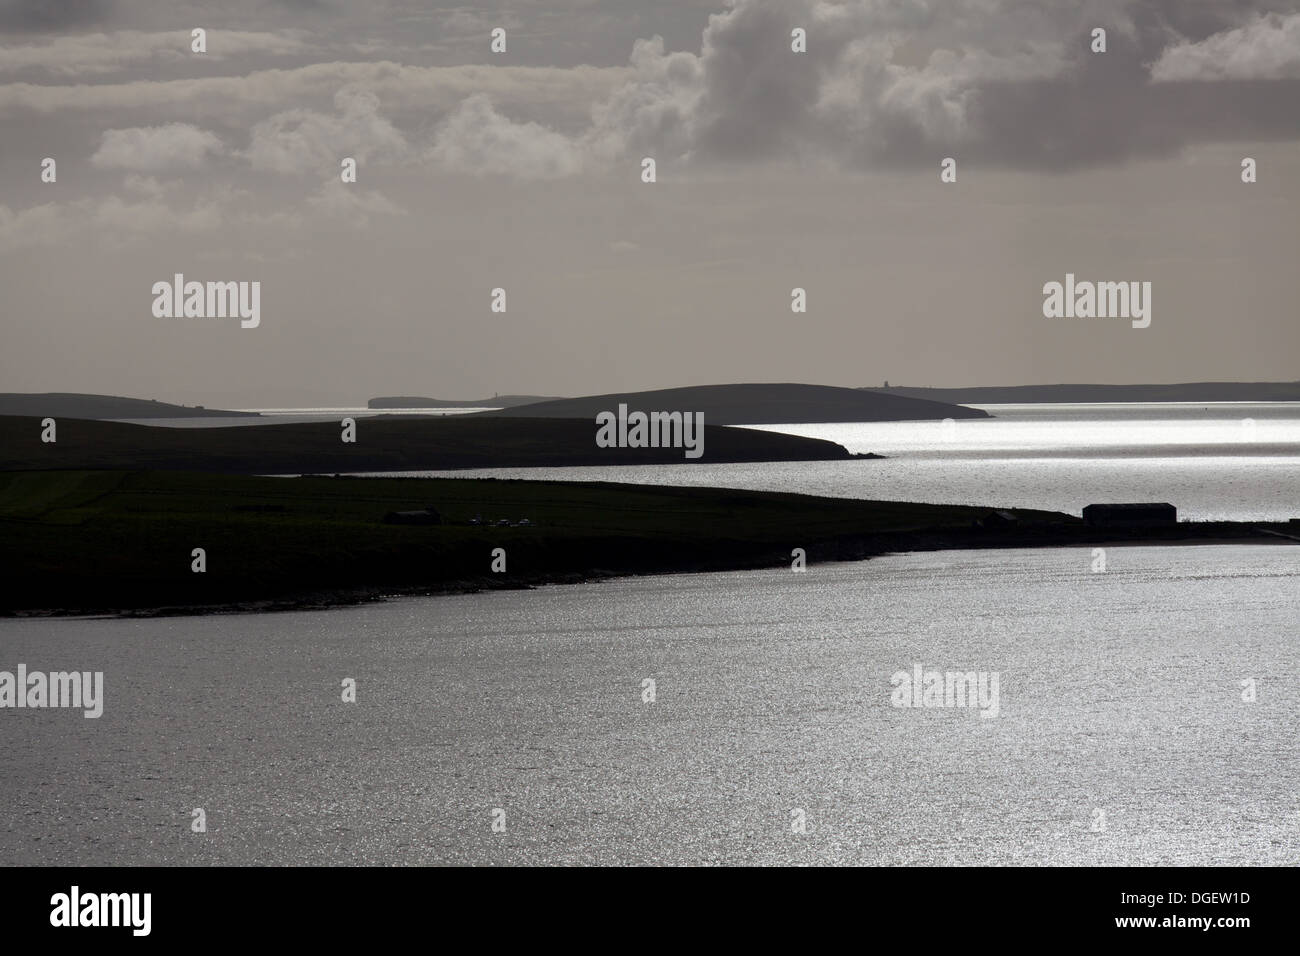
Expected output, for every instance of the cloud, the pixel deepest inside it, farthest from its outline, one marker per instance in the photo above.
(418, 89)
(1266, 49)
(746, 97)
(123, 220)
(464, 22)
(116, 216)
(897, 84)
(155, 148)
(300, 140)
(41, 225)
(24, 15)
(989, 81)
(150, 185)
(879, 83)
(154, 209)
(98, 53)
(348, 201)
(655, 110)
(477, 139)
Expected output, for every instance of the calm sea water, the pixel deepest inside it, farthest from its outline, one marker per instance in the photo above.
(1235, 461)
(1122, 737)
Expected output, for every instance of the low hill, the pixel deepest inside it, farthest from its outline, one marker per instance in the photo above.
(496, 401)
(113, 541)
(753, 404)
(86, 542)
(1185, 392)
(80, 405)
(384, 443)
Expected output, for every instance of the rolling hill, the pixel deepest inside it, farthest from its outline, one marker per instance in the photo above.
(753, 404)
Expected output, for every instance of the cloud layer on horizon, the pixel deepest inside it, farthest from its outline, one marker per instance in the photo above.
(881, 84)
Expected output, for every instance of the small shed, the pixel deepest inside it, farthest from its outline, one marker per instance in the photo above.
(1130, 515)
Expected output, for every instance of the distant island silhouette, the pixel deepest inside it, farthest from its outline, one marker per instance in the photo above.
(781, 403)
(496, 401)
(1184, 392)
(85, 405)
(384, 443)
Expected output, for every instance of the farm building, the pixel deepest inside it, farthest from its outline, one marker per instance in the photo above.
(1130, 515)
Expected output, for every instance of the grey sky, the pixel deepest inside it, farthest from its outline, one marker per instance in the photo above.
(521, 170)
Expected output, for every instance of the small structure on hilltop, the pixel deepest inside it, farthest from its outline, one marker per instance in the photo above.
(1137, 515)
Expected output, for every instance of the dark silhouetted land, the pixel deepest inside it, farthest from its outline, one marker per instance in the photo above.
(1185, 392)
(384, 443)
(120, 540)
(77, 542)
(496, 401)
(78, 405)
(754, 404)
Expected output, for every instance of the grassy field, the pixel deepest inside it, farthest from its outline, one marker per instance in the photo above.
(113, 540)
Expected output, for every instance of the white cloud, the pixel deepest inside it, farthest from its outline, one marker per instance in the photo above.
(412, 88)
(97, 53)
(477, 139)
(155, 148)
(117, 216)
(150, 185)
(655, 109)
(152, 208)
(301, 140)
(120, 219)
(1266, 49)
(348, 201)
(41, 225)
(881, 83)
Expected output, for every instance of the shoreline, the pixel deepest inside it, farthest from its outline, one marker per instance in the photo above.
(375, 444)
(858, 548)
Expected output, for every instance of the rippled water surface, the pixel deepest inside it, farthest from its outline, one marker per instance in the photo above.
(1236, 461)
(1120, 704)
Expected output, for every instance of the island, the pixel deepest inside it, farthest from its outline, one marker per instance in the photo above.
(1027, 394)
(383, 443)
(85, 405)
(496, 401)
(780, 403)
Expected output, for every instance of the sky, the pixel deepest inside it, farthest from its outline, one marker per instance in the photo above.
(522, 170)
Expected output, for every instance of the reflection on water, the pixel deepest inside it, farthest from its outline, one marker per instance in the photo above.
(1228, 461)
(1120, 692)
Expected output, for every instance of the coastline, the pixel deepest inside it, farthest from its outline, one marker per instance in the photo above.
(1039, 530)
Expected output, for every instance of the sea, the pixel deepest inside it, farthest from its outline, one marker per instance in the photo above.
(1142, 700)
(1230, 461)
(1146, 714)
